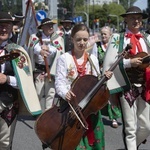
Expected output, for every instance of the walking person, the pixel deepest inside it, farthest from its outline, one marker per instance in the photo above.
(11, 80)
(46, 44)
(17, 27)
(100, 50)
(131, 81)
(77, 63)
(112, 109)
(66, 28)
(8, 105)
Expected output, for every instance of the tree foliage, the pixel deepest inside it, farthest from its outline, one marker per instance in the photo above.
(99, 12)
(102, 13)
(127, 3)
(71, 5)
(10, 6)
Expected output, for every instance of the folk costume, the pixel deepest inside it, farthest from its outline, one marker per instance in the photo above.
(19, 71)
(66, 72)
(45, 88)
(8, 105)
(112, 109)
(132, 85)
(17, 28)
(66, 30)
(100, 51)
(16, 65)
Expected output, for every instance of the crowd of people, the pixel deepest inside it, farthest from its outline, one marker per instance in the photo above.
(59, 58)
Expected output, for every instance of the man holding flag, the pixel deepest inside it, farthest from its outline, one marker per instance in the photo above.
(44, 48)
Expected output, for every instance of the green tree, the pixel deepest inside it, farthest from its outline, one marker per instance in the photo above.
(72, 5)
(102, 13)
(127, 3)
(10, 6)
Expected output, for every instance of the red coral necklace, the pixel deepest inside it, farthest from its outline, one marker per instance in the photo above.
(81, 68)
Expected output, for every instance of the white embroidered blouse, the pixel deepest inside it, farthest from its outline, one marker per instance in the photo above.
(66, 72)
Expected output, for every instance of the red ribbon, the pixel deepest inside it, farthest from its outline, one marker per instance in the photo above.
(90, 132)
(147, 77)
(134, 40)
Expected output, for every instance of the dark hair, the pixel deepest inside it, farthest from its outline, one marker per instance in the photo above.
(79, 27)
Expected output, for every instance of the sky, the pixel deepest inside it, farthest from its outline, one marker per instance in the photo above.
(142, 4)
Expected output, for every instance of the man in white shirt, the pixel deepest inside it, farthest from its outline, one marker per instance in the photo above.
(45, 47)
(8, 84)
(130, 80)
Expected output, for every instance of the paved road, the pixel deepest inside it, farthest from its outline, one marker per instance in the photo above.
(26, 139)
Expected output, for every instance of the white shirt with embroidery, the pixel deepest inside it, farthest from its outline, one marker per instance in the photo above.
(37, 48)
(66, 72)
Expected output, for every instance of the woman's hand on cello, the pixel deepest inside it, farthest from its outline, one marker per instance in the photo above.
(108, 74)
(69, 95)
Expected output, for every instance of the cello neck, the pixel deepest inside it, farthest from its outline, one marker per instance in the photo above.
(101, 82)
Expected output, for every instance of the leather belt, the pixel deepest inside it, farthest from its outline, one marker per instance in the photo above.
(41, 67)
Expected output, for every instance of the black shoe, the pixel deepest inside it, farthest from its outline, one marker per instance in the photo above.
(144, 142)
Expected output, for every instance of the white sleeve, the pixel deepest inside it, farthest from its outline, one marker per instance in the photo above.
(37, 49)
(94, 50)
(52, 49)
(13, 81)
(126, 63)
(61, 82)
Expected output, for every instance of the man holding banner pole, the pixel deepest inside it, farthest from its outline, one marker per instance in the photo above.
(45, 44)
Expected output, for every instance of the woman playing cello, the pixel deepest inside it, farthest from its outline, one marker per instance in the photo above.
(71, 65)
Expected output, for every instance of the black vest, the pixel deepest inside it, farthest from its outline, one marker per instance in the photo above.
(8, 94)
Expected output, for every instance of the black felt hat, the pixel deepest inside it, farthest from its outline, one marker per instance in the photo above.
(19, 15)
(134, 10)
(5, 17)
(46, 21)
(66, 20)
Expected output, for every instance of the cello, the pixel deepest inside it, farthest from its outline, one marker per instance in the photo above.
(59, 127)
